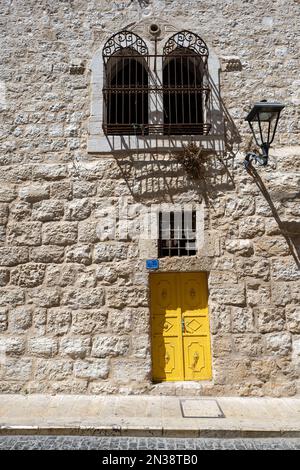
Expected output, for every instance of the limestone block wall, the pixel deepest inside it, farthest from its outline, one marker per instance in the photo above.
(74, 298)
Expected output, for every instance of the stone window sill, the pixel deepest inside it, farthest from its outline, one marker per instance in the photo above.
(99, 143)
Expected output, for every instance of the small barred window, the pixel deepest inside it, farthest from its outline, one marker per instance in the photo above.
(177, 233)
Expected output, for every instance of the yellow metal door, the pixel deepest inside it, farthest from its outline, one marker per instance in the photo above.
(180, 327)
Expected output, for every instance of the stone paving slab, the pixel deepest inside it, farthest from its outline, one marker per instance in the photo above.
(147, 415)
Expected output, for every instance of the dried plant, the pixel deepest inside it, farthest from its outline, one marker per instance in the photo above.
(195, 160)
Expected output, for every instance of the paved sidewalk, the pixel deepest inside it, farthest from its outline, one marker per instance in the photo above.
(149, 416)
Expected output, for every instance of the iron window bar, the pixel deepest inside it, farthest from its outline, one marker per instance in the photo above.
(156, 129)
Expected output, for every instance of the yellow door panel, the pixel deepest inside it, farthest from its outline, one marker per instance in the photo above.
(167, 359)
(195, 325)
(196, 334)
(180, 326)
(166, 325)
(164, 296)
(194, 293)
(197, 360)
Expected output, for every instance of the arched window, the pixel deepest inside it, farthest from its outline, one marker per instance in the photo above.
(125, 89)
(184, 91)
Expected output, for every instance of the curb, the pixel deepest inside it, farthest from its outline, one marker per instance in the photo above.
(146, 432)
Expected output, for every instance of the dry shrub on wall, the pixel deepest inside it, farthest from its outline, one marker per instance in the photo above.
(195, 160)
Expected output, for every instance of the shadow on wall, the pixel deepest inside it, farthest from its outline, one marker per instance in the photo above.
(157, 173)
(289, 230)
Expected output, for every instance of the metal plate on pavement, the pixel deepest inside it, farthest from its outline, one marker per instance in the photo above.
(201, 408)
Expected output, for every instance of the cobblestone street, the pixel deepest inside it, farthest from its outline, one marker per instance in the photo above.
(140, 443)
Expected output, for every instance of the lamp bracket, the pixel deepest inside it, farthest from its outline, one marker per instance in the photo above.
(261, 160)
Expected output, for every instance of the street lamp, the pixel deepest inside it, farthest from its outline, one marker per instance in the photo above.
(263, 119)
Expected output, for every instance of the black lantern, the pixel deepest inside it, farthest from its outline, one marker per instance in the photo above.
(263, 119)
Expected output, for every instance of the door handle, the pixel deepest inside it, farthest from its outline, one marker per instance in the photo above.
(196, 359)
(182, 326)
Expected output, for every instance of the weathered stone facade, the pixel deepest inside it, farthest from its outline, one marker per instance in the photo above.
(74, 300)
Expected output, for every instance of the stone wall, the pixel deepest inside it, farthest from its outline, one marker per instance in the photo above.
(74, 304)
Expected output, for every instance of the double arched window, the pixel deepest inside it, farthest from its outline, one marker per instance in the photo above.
(140, 101)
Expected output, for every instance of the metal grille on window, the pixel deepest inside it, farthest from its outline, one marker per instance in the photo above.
(132, 87)
(126, 88)
(185, 93)
(177, 233)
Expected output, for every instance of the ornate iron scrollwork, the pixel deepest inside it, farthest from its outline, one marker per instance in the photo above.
(187, 40)
(122, 40)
